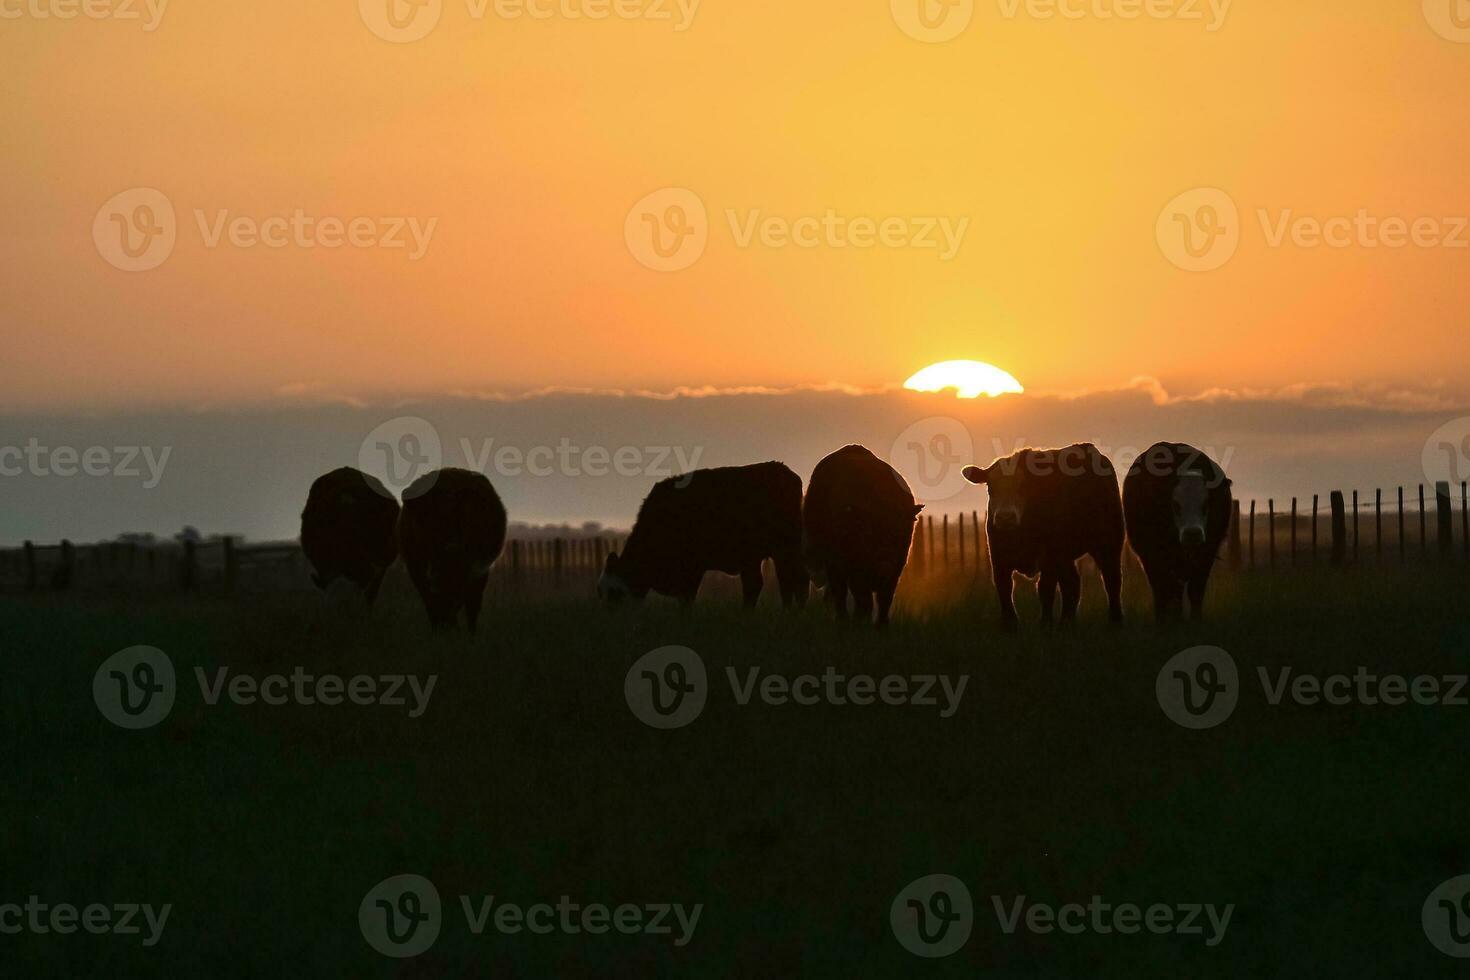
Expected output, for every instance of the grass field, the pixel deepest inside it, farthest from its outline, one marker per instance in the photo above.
(528, 778)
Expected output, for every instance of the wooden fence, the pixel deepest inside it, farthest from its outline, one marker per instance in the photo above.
(1344, 530)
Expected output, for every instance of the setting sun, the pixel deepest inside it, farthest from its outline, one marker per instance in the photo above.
(969, 379)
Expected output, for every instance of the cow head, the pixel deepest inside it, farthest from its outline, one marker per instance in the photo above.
(1191, 506)
(1006, 481)
(613, 587)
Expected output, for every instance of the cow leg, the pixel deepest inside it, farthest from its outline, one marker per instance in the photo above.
(862, 602)
(474, 600)
(1047, 592)
(837, 592)
(885, 603)
(791, 576)
(1197, 583)
(1110, 566)
(1071, 582)
(1005, 591)
(751, 581)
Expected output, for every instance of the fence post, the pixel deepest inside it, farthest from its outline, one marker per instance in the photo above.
(1251, 540)
(916, 550)
(1423, 525)
(1378, 522)
(1465, 515)
(1445, 513)
(981, 562)
(929, 552)
(944, 536)
(1293, 531)
(557, 557)
(1403, 535)
(1315, 498)
(515, 562)
(30, 550)
(1339, 528)
(1271, 529)
(1356, 527)
(1234, 547)
(961, 520)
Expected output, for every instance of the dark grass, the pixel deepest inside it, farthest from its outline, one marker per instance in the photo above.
(1059, 778)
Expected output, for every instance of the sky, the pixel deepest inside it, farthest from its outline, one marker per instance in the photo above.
(258, 220)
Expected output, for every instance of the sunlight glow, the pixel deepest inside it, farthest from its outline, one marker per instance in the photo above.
(970, 379)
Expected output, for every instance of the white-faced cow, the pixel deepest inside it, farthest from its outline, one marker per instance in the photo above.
(859, 515)
(1177, 502)
(451, 531)
(349, 530)
(722, 520)
(1048, 508)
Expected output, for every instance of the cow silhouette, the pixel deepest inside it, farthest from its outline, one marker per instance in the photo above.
(451, 531)
(1048, 508)
(1177, 503)
(727, 520)
(349, 530)
(859, 516)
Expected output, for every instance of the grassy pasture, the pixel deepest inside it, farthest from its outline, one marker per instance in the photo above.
(528, 778)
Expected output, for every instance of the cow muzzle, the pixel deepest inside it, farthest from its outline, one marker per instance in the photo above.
(1192, 537)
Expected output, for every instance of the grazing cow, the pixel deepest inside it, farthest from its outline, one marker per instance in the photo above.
(349, 530)
(859, 516)
(725, 520)
(451, 532)
(1047, 509)
(1177, 502)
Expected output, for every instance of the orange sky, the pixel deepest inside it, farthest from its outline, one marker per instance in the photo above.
(527, 142)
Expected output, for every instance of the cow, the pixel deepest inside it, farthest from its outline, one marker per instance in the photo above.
(1047, 509)
(349, 530)
(1177, 503)
(859, 516)
(727, 520)
(451, 531)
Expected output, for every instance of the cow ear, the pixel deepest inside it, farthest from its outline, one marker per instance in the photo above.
(918, 509)
(611, 565)
(974, 474)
